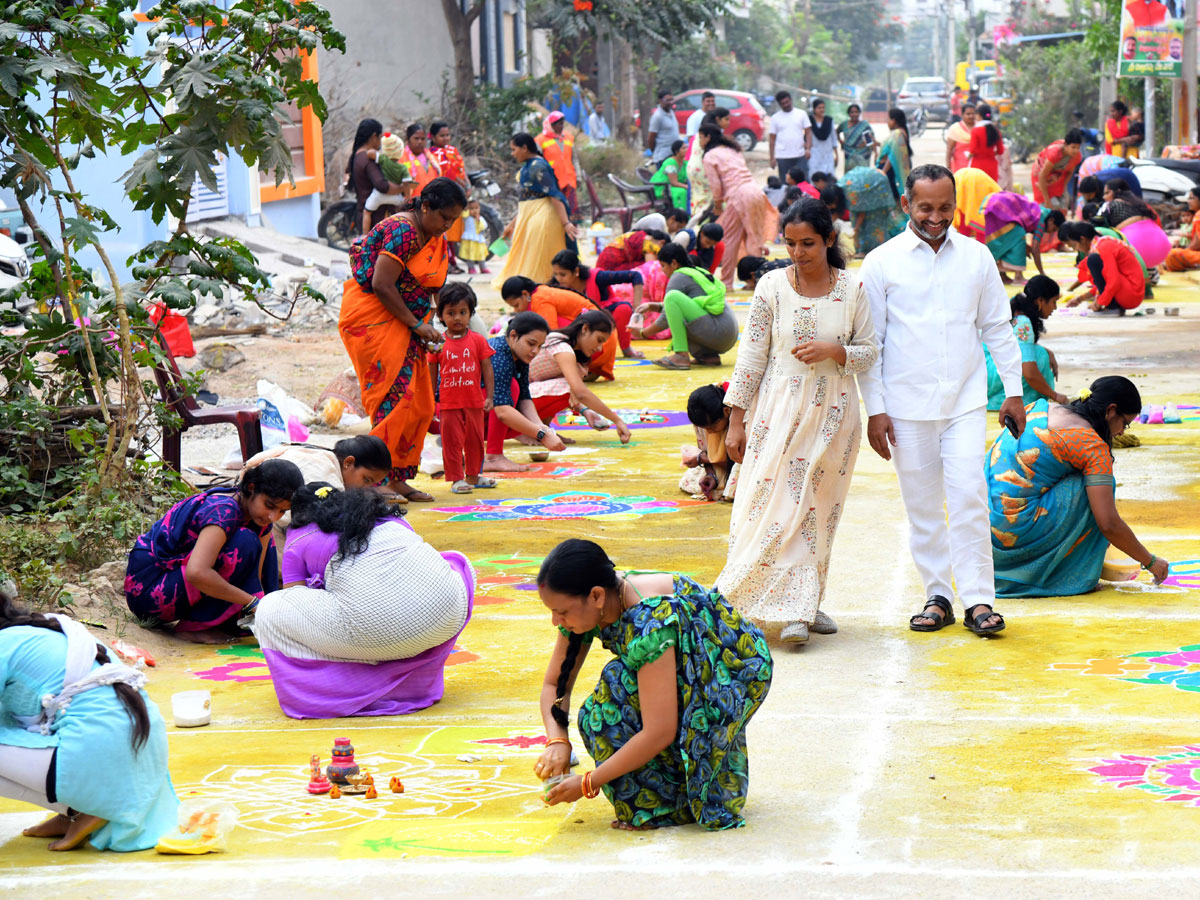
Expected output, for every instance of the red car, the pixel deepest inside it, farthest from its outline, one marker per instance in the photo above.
(748, 121)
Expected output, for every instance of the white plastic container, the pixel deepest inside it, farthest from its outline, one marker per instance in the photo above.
(191, 709)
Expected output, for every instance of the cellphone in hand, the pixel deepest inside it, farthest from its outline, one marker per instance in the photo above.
(1011, 424)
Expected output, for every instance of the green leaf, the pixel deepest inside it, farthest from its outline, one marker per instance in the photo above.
(196, 77)
(81, 232)
(144, 172)
(174, 293)
(275, 157)
(12, 73)
(190, 155)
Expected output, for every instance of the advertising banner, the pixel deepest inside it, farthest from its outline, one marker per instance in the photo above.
(1151, 38)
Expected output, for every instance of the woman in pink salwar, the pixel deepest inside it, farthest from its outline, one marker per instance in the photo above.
(738, 201)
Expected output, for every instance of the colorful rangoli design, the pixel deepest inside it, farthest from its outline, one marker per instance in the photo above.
(1185, 573)
(1178, 668)
(568, 505)
(250, 663)
(634, 418)
(550, 469)
(1172, 777)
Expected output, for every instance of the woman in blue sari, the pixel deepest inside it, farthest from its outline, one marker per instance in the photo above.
(211, 558)
(1039, 369)
(857, 138)
(874, 209)
(895, 154)
(1052, 495)
(542, 226)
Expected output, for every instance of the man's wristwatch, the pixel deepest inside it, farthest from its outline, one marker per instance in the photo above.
(541, 434)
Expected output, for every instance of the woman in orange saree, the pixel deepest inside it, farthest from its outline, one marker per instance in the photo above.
(397, 270)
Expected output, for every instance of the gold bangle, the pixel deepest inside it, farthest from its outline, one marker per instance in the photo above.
(558, 740)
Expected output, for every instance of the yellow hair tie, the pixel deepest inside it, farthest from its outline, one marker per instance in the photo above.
(1085, 394)
(323, 492)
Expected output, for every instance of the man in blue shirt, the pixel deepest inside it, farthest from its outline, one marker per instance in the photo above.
(664, 128)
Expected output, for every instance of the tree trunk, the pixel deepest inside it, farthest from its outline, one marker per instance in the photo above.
(460, 23)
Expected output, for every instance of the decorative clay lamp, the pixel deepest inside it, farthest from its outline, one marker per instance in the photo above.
(343, 763)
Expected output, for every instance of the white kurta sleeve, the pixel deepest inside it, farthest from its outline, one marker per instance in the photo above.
(994, 321)
(870, 380)
(861, 351)
(754, 350)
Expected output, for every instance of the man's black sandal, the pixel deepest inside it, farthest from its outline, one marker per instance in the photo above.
(975, 622)
(943, 605)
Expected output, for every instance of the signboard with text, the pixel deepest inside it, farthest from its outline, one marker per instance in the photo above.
(1151, 38)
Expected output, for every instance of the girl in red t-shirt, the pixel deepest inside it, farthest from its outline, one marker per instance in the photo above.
(462, 371)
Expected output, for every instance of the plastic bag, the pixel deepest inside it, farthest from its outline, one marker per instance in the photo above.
(204, 827)
(282, 416)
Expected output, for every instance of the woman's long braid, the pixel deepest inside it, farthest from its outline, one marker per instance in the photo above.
(575, 567)
(557, 712)
(12, 616)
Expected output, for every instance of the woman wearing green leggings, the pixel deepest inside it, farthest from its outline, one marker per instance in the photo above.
(694, 309)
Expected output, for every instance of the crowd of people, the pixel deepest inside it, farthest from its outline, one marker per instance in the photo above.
(357, 613)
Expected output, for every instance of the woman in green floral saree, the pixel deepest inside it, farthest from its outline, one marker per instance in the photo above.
(666, 724)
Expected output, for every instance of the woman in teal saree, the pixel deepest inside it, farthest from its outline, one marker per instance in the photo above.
(895, 154)
(1052, 495)
(1039, 370)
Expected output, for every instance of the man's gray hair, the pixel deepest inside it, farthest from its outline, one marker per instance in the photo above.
(927, 173)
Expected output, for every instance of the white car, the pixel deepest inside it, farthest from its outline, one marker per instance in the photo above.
(14, 264)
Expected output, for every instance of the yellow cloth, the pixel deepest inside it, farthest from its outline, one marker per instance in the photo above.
(973, 186)
(537, 236)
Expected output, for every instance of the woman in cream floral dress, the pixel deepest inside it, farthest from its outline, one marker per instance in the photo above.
(795, 426)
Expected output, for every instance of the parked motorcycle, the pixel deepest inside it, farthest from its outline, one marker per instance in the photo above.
(1166, 180)
(917, 121)
(339, 225)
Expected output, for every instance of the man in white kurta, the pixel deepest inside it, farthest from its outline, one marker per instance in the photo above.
(936, 298)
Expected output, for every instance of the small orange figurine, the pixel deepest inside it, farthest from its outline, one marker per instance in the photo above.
(371, 794)
(368, 780)
(396, 785)
(334, 792)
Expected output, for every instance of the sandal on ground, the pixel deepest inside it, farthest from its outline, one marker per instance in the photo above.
(823, 624)
(461, 487)
(412, 495)
(667, 362)
(485, 482)
(975, 622)
(795, 633)
(707, 360)
(942, 605)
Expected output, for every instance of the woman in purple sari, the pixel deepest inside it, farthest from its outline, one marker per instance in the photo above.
(368, 613)
(211, 557)
(1009, 218)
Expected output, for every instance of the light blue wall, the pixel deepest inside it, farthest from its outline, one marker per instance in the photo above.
(296, 216)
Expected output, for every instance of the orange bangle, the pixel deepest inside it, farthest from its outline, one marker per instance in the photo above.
(589, 792)
(558, 740)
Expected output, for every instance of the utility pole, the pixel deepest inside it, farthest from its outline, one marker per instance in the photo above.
(1183, 90)
(971, 36)
(951, 45)
(1147, 148)
(937, 43)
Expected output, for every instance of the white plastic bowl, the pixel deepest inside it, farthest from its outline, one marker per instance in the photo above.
(191, 709)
